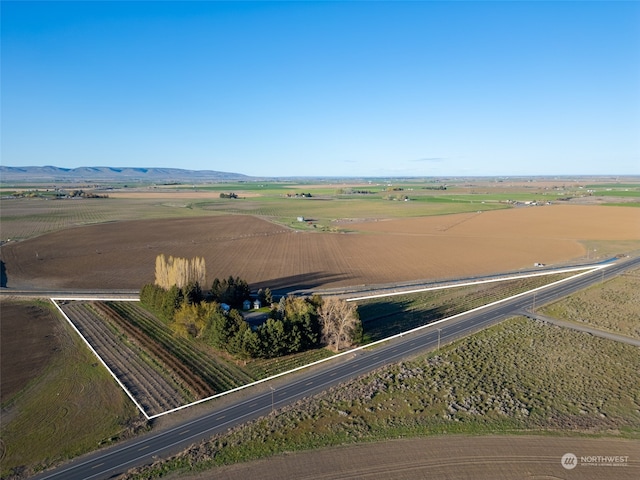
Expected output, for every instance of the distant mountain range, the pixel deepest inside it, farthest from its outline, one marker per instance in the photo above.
(115, 174)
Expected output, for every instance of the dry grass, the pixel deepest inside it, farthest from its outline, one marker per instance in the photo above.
(613, 305)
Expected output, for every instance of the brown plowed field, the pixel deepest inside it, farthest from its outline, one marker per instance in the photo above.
(459, 457)
(122, 254)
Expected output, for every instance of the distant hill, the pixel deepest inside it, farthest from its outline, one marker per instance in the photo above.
(115, 174)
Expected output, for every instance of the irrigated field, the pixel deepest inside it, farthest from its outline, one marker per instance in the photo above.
(122, 255)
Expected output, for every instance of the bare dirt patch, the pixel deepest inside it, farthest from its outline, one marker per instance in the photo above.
(570, 222)
(28, 341)
(122, 255)
(477, 457)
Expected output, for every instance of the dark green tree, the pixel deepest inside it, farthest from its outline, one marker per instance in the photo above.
(232, 291)
(265, 296)
(222, 327)
(192, 293)
(172, 300)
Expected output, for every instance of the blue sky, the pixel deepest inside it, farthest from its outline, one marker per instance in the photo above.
(324, 88)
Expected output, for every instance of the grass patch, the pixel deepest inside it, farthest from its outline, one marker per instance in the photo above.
(626, 193)
(519, 376)
(622, 204)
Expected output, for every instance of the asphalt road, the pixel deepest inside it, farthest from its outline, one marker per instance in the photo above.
(144, 449)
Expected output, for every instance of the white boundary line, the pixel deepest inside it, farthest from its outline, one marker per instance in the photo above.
(584, 270)
(54, 301)
(478, 282)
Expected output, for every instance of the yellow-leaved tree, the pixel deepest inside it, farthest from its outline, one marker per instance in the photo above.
(179, 271)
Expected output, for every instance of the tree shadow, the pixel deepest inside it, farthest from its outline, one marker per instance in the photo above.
(386, 318)
(3, 275)
(304, 281)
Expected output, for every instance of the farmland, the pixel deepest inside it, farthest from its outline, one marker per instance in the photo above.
(476, 457)
(332, 202)
(163, 371)
(346, 240)
(122, 254)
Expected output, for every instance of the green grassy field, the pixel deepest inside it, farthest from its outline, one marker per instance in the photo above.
(324, 212)
(24, 218)
(620, 193)
(518, 377)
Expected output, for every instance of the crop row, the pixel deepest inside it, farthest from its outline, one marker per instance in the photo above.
(214, 371)
(263, 368)
(173, 366)
(151, 390)
(29, 217)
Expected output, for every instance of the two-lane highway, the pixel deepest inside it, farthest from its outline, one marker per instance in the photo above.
(143, 450)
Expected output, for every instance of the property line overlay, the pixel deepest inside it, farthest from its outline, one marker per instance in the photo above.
(129, 394)
(583, 270)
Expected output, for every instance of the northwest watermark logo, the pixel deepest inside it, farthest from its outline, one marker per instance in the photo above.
(571, 461)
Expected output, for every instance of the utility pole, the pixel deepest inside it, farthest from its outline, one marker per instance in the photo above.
(439, 329)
